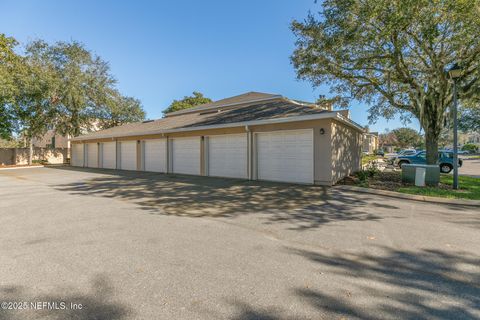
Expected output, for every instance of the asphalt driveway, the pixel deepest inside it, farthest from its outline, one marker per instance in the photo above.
(150, 246)
(470, 167)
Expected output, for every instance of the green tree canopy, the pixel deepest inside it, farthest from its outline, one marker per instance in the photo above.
(387, 138)
(82, 82)
(188, 102)
(9, 61)
(82, 89)
(407, 138)
(62, 86)
(34, 106)
(469, 119)
(34, 110)
(393, 55)
(119, 110)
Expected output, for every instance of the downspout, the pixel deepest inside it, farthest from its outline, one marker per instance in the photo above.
(118, 148)
(167, 153)
(249, 153)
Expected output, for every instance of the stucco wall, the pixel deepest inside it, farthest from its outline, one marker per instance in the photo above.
(370, 143)
(346, 149)
(19, 156)
(6, 156)
(53, 156)
(46, 140)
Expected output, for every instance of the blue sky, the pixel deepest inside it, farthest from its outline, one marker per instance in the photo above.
(164, 50)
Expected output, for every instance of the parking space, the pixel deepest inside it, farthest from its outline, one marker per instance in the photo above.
(135, 245)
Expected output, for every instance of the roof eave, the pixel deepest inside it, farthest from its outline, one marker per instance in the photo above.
(348, 121)
(324, 115)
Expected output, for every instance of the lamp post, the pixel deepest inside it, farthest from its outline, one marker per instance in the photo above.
(455, 72)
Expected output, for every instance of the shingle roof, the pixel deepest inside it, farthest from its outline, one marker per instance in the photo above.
(239, 99)
(260, 111)
(281, 108)
(275, 108)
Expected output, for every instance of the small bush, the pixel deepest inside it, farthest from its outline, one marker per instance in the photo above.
(362, 175)
(370, 172)
(39, 162)
(470, 147)
(372, 169)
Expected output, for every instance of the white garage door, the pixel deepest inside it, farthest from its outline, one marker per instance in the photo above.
(285, 156)
(77, 154)
(128, 155)
(109, 155)
(186, 155)
(92, 155)
(155, 155)
(227, 156)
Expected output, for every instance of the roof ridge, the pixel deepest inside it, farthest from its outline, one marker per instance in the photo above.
(227, 102)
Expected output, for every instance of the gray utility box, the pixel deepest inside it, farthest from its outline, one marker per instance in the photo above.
(421, 174)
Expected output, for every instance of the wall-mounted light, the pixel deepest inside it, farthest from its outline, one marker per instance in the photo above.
(322, 131)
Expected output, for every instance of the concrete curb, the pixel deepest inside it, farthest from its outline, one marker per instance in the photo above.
(463, 202)
(25, 167)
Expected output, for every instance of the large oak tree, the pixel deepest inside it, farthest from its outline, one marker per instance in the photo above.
(81, 86)
(9, 61)
(62, 86)
(34, 106)
(393, 55)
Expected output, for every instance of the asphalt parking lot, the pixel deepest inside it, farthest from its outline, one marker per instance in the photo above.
(470, 167)
(150, 246)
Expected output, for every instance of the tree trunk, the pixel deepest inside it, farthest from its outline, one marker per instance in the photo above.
(431, 144)
(30, 151)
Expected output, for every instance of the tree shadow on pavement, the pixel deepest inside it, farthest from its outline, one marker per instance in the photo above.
(425, 284)
(463, 215)
(303, 207)
(244, 311)
(96, 304)
(391, 284)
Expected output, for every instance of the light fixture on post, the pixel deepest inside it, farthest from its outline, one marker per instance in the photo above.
(455, 72)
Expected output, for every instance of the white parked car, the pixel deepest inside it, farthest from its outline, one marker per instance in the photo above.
(459, 151)
(404, 152)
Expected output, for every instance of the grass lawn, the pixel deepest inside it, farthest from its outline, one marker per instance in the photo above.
(367, 158)
(469, 188)
(392, 181)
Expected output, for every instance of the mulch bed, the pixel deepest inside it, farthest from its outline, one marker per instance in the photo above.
(387, 180)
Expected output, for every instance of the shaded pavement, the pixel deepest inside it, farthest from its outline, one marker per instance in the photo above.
(149, 246)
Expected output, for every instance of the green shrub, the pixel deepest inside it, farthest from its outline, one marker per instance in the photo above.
(362, 175)
(39, 162)
(372, 169)
(470, 147)
(369, 172)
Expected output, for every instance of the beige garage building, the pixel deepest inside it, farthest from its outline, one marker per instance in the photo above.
(253, 136)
